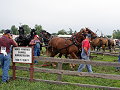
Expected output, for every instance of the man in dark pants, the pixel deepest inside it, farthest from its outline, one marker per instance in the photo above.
(118, 68)
(5, 43)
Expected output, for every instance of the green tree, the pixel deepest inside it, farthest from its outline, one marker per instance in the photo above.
(54, 33)
(116, 34)
(2, 31)
(14, 30)
(109, 36)
(62, 32)
(26, 28)
(38, 28)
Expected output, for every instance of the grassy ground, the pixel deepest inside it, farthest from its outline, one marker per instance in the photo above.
(26, 85)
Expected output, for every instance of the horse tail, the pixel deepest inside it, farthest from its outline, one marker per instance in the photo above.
(101, 42)
(109, 44)
(48, 50)
(41, 46)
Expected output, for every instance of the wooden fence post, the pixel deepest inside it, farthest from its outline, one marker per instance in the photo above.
(32, 67)
(14, 73)
(31, 71)
(59, 78)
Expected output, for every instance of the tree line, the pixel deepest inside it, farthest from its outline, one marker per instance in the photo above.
(14, 29)
(39, 28)
(116, 34)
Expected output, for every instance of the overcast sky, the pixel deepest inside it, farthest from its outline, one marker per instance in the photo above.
(54, 15)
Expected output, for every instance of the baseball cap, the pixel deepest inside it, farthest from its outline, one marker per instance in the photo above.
(36, 36)
(7, 31)
(88, 35)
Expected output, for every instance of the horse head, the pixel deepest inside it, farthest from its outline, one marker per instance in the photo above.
(86, 31)
(79, 36)
(21, 31)
(77, 39)
(32, 33)
(45, 36)
(93, 35)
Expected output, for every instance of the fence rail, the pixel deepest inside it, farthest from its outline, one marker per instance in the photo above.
(77, 61)
(106, 53)
(61, 72)
(76, 84)
(72, 73)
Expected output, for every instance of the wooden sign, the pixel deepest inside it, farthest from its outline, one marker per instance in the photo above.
(22, 54)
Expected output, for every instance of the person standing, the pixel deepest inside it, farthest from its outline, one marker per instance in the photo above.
(118, 68)
(85, 53)
(36, 44)
(5, 43)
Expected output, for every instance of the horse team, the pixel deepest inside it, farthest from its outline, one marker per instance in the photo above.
(69, 47)
(24, 40)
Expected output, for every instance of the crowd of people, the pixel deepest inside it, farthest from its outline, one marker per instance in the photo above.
(6, 44)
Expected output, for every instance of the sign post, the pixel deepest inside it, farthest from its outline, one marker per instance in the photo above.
(14, 73)
(23, 55)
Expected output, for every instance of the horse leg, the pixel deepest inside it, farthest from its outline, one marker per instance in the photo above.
(94, 48)
(103, 47)
(98, 48)
(60, 55)
(114, 48)
(73, 56)
(66, 56)
(109, 48)
(52, 55)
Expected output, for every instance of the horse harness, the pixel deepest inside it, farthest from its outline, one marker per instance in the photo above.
(75, 42)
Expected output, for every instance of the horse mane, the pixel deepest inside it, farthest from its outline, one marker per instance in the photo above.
(32, 33)
(46, 36)
(82, 30)
(77, 38)
(80, 36)
(90, 32)
(22, 39)
(85, 31)
(21, 31)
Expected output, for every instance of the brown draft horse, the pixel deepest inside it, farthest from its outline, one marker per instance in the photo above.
(111, 45)
(102, 42)
(67, 46)
(99, 42)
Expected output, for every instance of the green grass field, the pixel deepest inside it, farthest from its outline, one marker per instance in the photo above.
(26, 85)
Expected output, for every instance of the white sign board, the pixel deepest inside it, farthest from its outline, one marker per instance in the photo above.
(22, 54)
